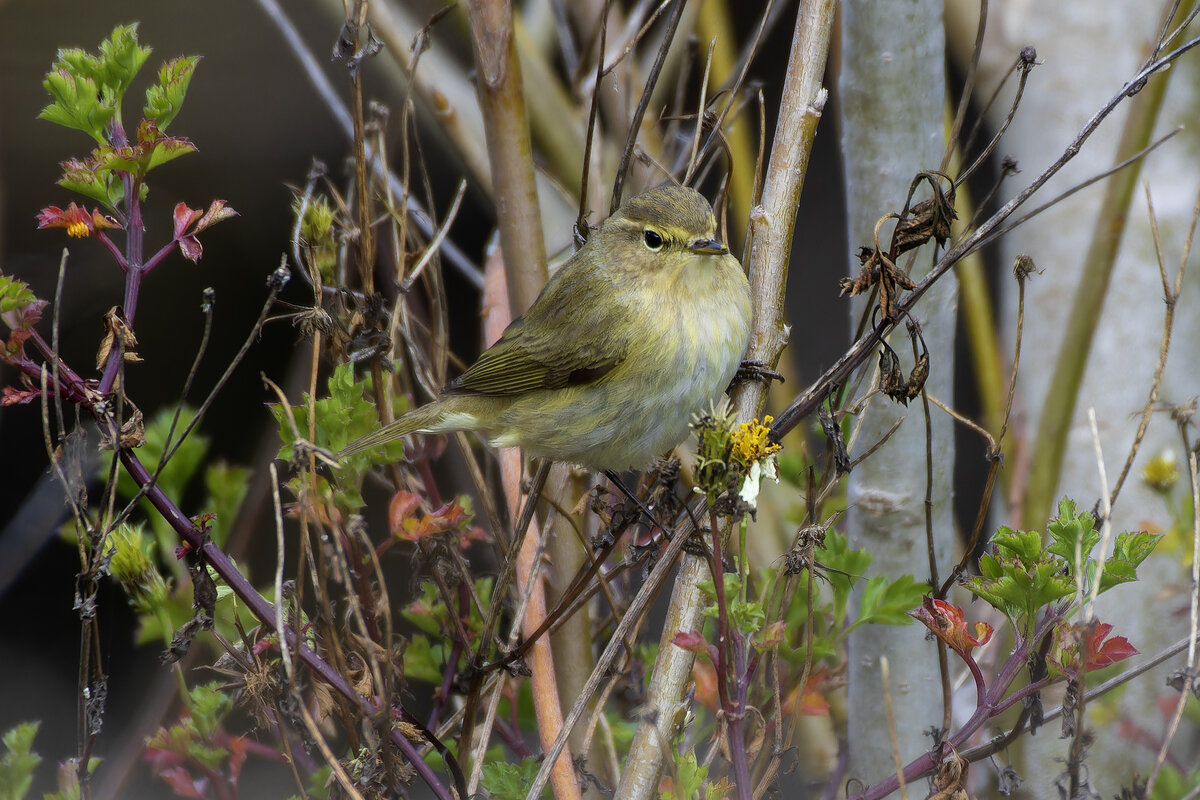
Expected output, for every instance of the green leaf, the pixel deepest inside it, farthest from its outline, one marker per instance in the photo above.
(1067, 530)
(18, 761)
(1048, 584)
(1023, 545)
(343, 416)
(121, 58)
(94, 177)
(150, 148)
(165, 98)
(87, 89)
(1172, 784)
(1017, 581)
(176, 475)
(1116, 572)
(843, 567)
(998, 592)
(427, 612)
(1135, 547)
(748, 618)
(208, 706)
(318, 783)
(68, 780)
(689, 778)
(512, 781)
(226, 485)
(887, 602)
(1129, 551)
(14, 294)
(424, 661)
(76, 105)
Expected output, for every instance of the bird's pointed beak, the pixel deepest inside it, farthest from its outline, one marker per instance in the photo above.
(708, 247)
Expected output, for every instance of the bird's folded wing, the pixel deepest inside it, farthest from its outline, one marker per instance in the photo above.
(557, 343)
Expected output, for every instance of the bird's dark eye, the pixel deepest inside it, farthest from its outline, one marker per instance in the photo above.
(652, 239)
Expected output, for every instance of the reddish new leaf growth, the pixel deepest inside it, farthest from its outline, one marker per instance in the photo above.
(1088, 639)
(692, 641)
(949, 624)
(812, 701)
(409, 526)
(704, 678)
(188, 222)
(13, 397)
(79, 222)
(20, 315)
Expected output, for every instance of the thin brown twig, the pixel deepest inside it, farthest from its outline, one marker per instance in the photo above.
(964, 102)
(701, 108)
(581, 226)
(1170, 300)
(877, 444)
(1194, 628)
(733, 88)
(807, 401)
(964, 420)
(1025, 63)
(999, 232)
(632, 617)
(942, 654)
(644, 103)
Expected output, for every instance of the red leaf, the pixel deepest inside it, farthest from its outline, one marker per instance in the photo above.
(183, 783)
(217, 212)
(949, 624)
(446, 518)
(408, 526)
(1102, 653)
(191, 249)
(704, 676)
(14, 397)
(239, 748)
(690, 640)
(1070, 640)
(401, 509)
(184, 217)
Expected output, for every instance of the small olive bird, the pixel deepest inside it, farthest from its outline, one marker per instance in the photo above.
(642, 327)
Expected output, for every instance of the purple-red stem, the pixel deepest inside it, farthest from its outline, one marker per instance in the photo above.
(265, 612)
(73, 388)
(443, 693)
(991, 703)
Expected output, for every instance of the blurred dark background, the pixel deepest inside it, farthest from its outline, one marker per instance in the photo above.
(257, 124)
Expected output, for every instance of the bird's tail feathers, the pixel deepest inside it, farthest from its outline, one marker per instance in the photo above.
(420, 420)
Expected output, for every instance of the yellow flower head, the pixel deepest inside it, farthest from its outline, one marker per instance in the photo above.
(751, 442)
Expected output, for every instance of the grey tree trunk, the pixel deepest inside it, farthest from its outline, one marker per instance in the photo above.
(892, 90)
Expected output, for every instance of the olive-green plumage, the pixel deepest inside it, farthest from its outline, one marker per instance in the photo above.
(642, 327)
